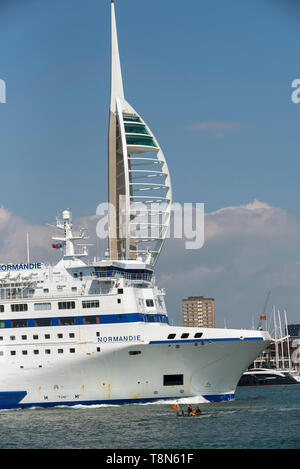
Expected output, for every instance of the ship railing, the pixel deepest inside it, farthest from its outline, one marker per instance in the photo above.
(12, 296)
(144, 277)
(52, 294)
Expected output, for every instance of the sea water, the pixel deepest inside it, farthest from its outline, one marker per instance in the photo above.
(266, 417)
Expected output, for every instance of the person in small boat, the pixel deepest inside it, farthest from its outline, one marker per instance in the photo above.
(190, 410)
(198, 411)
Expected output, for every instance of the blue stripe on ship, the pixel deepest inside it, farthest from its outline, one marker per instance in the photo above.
(219, 397)
(9, 400)
(222, 339)
(79, 320)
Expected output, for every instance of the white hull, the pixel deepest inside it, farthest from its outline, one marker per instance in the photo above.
(210, 367)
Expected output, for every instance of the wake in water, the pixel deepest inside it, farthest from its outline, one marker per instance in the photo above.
(182, 400)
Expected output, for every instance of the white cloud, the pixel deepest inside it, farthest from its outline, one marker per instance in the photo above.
(216, 128)
(255, 220)
(13, 235)
(248, 250)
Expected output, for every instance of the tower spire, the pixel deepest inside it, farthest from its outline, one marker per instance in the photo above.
(134, 156)
(117, 91)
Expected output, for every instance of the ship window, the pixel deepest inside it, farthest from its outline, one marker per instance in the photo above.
(1, 308)
(1, 337)
(72, 350)
(46, 290)
(60, 350)
(24, 352)
(66, 321)
(59, 336)
(66, 305)
(47, 351)
(120, 291)
(134, 352)
(35, 337)
(198, 335)
(43, 322)
(184, 336)
(173, 380)
(16, 308)
(24, 337)
(119, 300)
(12, 337)
(74, 288)
(71, 335)
(36, 352)
(171, 336)
(42, 306)
(149, 303)
(91, 304)
(13, 352)
(98, 349)
(19, 323)
(91, 320)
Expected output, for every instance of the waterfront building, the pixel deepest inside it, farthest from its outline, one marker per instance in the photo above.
(198, 311)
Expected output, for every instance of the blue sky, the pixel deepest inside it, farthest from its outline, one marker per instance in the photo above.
(183, 64)
(211, 78)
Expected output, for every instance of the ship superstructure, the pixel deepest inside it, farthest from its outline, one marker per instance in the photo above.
(98, 332)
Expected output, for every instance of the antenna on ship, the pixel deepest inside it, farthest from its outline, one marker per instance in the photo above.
(67, 240)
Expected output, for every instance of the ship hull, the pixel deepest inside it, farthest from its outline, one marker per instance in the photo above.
(120, 367)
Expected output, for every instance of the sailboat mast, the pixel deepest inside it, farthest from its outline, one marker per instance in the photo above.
(288, 342)
(275, 333)
(281, 339)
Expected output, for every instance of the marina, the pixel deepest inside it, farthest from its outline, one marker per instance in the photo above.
(275, 365)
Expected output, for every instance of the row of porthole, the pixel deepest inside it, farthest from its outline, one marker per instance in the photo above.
(36, 337)
(47, 351)
(185, 335)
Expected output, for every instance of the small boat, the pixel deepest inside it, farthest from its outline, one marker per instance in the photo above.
(206, 414)
(267, 376)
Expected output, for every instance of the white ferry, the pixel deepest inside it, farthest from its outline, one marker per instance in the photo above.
(98, 332)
